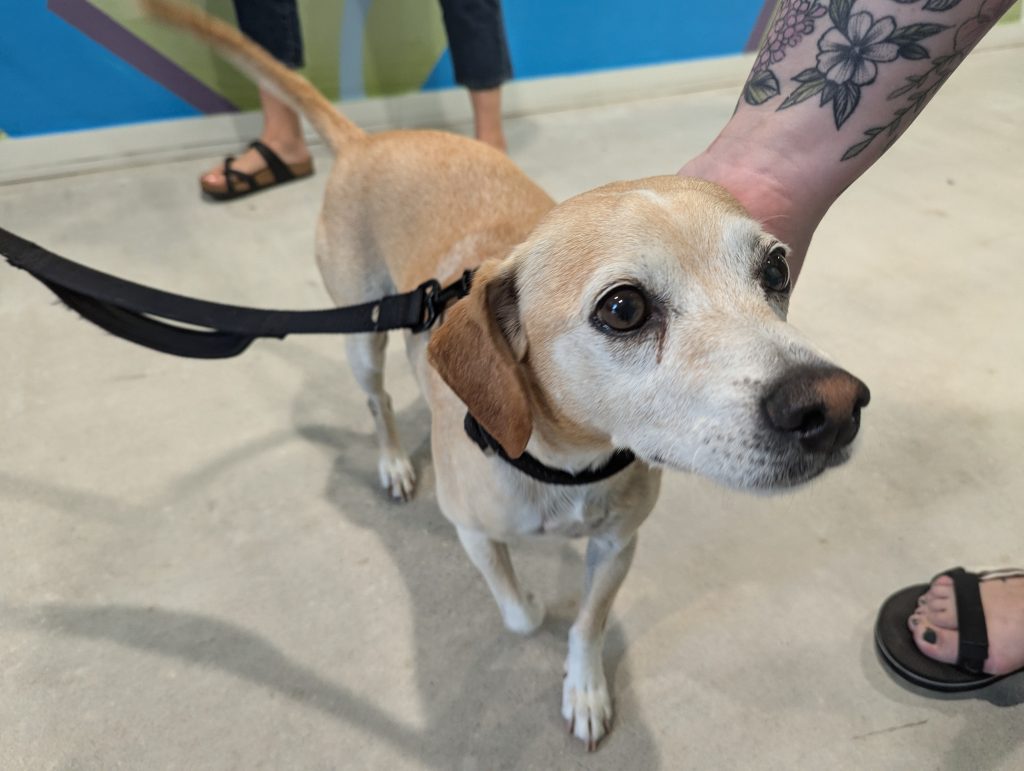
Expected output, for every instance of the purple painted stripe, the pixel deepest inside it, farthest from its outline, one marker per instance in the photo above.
(760, 25)
(108, 33)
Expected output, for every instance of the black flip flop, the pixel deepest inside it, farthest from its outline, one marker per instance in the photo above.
(277, 172)
(896, 644)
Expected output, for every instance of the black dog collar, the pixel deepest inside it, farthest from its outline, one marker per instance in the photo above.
(532, 467)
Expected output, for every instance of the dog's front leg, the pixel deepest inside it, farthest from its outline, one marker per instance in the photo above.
(520, 610)
(586, 702)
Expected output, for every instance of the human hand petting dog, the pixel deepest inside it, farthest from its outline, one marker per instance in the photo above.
(832, 87)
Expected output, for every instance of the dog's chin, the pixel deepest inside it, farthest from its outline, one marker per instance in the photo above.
(777, 475)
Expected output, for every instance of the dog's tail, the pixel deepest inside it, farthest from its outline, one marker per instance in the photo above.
(254, 61)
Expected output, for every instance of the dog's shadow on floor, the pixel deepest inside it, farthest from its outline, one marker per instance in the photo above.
(487, 693)
(489, 697)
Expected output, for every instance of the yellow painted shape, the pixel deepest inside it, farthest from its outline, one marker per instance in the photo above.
(401, 44)
(321, 29)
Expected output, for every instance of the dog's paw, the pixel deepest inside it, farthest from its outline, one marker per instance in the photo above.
(525, 618)
(397, 476)
(586, 705)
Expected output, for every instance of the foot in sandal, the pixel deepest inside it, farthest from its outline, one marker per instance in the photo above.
(262, 165)
(960, 632)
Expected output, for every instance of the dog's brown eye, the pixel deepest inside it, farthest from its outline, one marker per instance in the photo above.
(775, 271)
(621, 310)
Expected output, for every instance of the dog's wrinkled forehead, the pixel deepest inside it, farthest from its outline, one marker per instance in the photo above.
(667, 230)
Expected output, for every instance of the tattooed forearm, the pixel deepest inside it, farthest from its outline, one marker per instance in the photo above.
(849, 53)
(919, 88)
(854, 44)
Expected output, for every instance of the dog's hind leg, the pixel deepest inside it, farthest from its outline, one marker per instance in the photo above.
(521, 611)
(366, 358)
(354, 273)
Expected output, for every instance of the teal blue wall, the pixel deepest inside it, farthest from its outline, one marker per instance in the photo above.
(74, 64)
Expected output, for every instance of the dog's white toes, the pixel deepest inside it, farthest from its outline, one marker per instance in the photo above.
(525, 618)
(587, 708)
(397, 476)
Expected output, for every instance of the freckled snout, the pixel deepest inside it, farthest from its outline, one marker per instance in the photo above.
(818, 406)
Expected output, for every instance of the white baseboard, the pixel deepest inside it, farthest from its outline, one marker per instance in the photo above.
(77, 152)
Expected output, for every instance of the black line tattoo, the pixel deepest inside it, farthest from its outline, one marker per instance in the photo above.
(850, 52)
(792, 20)
(919, 88)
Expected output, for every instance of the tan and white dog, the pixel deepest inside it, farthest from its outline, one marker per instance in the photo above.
(646, 315)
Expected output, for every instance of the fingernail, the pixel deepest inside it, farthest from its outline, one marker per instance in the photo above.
(930, 636)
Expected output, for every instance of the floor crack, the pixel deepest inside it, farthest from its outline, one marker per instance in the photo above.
(889, 730)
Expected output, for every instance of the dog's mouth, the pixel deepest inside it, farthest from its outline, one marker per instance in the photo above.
(770, 471)
(785, 476)
(743, 447)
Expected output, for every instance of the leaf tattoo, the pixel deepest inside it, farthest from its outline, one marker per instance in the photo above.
(849, 54)
(918, 89)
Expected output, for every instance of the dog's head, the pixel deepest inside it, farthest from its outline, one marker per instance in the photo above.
(651, 315)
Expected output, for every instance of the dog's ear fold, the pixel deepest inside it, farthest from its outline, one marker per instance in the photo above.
(478, 350)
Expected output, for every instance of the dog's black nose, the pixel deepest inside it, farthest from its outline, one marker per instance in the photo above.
(818, 405)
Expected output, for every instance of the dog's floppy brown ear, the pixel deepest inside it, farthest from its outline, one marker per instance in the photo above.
(477, 351)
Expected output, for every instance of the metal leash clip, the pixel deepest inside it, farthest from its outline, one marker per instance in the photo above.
(435, 299)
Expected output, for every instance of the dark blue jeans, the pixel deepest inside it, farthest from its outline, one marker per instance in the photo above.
(274, 24)
(476, 36)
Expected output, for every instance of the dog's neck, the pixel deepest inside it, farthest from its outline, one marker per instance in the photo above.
(569, 451)
(566, 456)
(587, 472)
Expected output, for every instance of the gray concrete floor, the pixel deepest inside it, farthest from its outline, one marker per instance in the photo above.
(198, 570)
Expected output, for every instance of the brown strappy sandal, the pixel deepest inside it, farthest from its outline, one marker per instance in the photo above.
(237, 183)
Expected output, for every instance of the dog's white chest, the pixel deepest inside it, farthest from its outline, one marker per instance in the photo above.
(569, 512)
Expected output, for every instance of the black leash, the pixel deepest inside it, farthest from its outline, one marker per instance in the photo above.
(532, 467)
(132, 311)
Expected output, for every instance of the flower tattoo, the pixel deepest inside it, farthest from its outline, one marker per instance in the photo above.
(919, 88)
(851, 56)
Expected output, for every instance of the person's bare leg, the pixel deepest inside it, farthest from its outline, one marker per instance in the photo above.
(487, 124)
(282, 133)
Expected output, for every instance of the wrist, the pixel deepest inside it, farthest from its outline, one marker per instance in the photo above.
(773, 185)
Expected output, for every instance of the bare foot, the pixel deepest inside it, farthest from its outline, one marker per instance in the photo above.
(934, 623)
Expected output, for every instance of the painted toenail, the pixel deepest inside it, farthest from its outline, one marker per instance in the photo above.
(930, 636)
